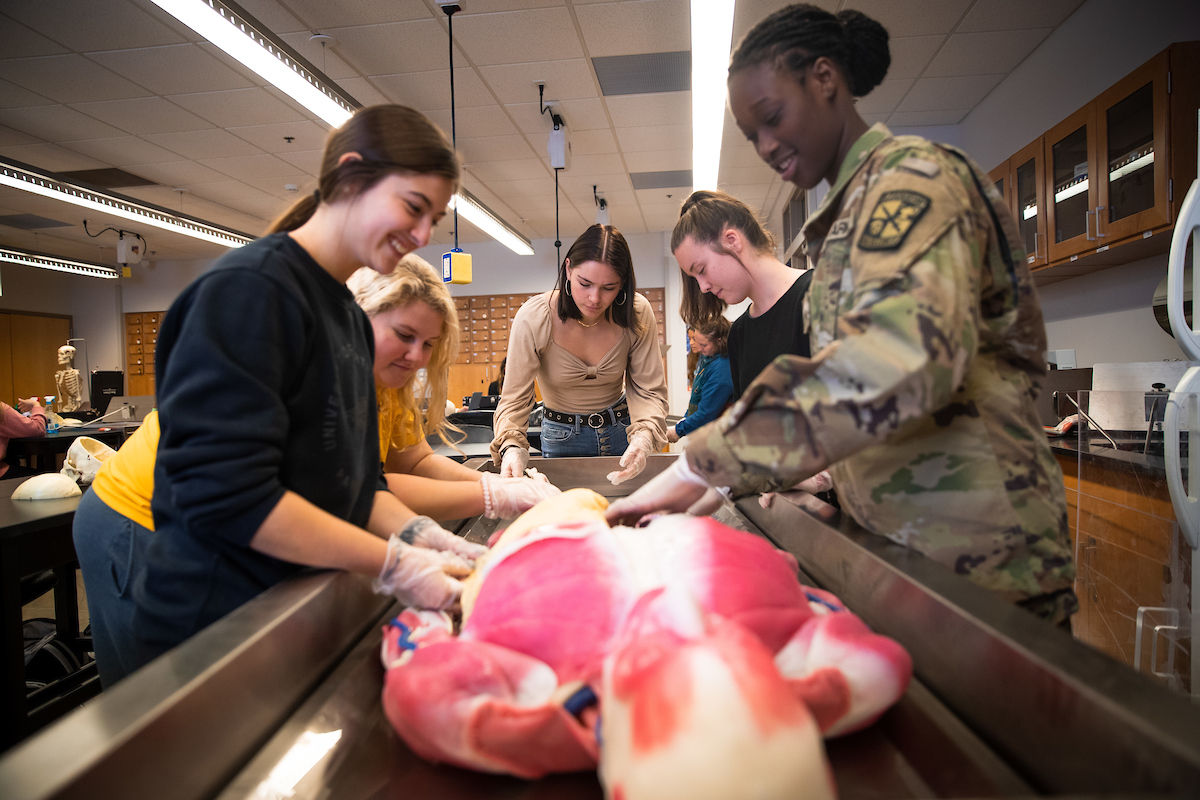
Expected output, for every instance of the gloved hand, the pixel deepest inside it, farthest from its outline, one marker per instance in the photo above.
(513, 462)
(672, 435)
(424, 532)
(634, 460)
(506, 498)
(419, 576)
(801, 495)
(676, 488)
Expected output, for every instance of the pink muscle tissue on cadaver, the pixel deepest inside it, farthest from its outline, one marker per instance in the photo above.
(683, 659)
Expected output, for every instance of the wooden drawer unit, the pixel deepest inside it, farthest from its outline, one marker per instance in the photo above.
(498, 301)
(464, 357)
(462, 303)
(498, 334)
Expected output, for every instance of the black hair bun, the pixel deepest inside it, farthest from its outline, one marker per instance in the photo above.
(869, 54)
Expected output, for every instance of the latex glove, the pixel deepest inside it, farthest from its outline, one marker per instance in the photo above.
(676, 488)
(513, 462)
(507, 498)
(801, 495)
(672, 435)
(419, 576)
(424, 532)
(634, 460)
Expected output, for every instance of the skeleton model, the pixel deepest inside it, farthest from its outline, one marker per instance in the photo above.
(66, 380)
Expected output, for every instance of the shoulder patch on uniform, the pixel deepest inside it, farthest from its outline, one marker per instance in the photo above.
(893, 217)
(840, 230)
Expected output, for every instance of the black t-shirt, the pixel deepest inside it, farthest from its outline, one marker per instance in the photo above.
(754, 342)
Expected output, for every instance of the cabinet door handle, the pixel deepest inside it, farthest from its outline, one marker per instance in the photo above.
(1099, 235)
(1037, 253)
(1087, 226)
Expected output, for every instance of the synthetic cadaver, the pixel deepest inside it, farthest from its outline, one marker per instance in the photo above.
(687, 648)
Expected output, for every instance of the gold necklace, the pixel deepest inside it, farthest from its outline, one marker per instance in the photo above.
(584, 324)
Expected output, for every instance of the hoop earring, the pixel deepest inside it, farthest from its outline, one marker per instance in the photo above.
(567, 287)
(623, 298)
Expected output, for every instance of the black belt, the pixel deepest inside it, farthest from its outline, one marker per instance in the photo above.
(609, 416)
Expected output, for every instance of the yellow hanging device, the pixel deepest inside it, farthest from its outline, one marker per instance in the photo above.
(456, 267)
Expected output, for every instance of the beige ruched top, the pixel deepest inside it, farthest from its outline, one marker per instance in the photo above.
(633, 365)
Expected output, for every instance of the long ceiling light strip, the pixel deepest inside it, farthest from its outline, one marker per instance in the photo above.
(245, 40)
(28, 259)
(26, 178)
(265, 55)
(486, 220)
(712, 38)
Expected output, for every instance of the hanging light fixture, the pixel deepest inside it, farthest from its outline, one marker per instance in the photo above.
(249, 42)
(28, 259)
(601, 208)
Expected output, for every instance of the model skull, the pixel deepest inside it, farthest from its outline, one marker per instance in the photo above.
(66, 354)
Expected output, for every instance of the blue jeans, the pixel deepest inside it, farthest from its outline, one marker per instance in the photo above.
(110, 549)
(561, 441)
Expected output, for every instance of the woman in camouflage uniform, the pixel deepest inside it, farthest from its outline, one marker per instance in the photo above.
(927, 335)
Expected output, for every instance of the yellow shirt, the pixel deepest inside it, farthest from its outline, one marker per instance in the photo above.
(126, 481)
(399, 428)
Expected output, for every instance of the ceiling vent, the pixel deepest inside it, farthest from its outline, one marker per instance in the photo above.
(31, 222)
(669, 179)
(646, 73)
(110, 178)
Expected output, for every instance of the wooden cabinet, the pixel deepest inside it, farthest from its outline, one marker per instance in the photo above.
(1103, 186)
(141, 337)
(29, 354)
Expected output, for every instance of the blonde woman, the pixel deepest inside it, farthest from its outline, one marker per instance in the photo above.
(416, 327)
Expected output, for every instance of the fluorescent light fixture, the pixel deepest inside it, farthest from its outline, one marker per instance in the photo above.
(25, 258)
(26, 178)
(297, 762)
(1029, 212)
(246, 40)
(1071, 191)
(1132, 166)
(712, 37)
(238, 37)
(486, 220)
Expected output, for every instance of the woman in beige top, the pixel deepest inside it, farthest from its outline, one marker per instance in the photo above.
(592, 345)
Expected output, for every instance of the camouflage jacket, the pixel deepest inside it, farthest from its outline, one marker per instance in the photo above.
(929, 349)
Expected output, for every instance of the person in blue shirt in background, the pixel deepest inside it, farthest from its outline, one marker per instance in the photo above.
(712, 385)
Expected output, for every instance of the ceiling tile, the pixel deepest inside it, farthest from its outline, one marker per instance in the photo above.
(748, 13)
(50, 157)
(936, 94)
(871, 119)
(883, 98)
(9, 136)
(238, 107)
(494, 148)
(521, 169)
(913, 17)
(648, 26)
(68, 79)
(261, 165)
(429, 91)
(123, 151)
(273, 15)
(397, 47)
(84, 25)
(579, 115)
(1003, 15)
(203, 144)
(175, 69)
(911, 54)
(752, 194)
(984, 53)
(323, 14)
(179, 173)
(143, 115)
(739, 154)
(921, 118)
(22, 42)
(583, 143)
(579, 184)
(308, 161)
(603, 164)
(277, 186)
(479, 121)
(654, 137)
(56, 123)
(634, 110)
(570, 79)
(492, 6)
(327, 59)
(363, 91)
(658, 160)
(759, 174)
(305, 136)
(508, 37)
(234, 194)
(528, 187)
(13, 96)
